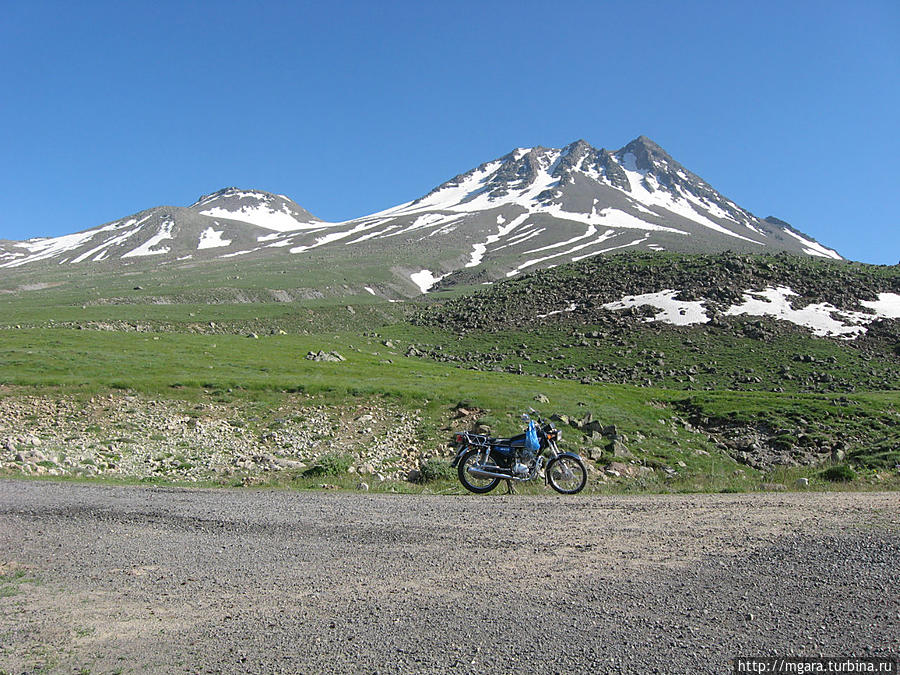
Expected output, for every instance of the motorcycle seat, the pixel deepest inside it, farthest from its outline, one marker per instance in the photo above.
(515, 441)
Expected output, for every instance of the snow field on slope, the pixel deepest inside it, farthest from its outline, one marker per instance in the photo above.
(263, 216)
(819, 317)
(824, 319)
(478, 250)
(814, 248)
(100, 252)
(145, 249)
(666, 200)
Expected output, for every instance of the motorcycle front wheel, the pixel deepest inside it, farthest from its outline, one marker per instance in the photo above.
(472, 483)
(566, 474)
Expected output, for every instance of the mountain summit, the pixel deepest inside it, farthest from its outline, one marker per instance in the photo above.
(532, 208)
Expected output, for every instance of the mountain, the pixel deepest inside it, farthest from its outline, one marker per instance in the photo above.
(217, 225)
(532, 208)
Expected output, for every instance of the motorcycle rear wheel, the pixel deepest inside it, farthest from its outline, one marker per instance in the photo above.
(566, 474)
(471, 483)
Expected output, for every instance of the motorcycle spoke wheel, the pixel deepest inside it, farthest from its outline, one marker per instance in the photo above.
(470, 482)
(566, 475)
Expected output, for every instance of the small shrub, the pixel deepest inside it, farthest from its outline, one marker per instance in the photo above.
(435, 469)
(330, 465)
(839, 472)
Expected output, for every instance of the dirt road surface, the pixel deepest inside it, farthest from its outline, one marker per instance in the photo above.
(140, 579)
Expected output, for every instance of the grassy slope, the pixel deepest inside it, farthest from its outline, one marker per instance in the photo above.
(170, 350)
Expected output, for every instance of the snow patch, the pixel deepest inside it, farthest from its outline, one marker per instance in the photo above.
(611, 248)
(571, 308)
(211, 238)
(282, 220)
(478, 250)
(593, 242)
(678, 312)
(145, 249)
(520, 238)
(824, 319)
(424, 280)
(820, 317)
(886, 307)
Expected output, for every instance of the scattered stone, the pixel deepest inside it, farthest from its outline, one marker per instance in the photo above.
(541, 398)
(774, 487)
(321, 355)
(802, 482)
(364, 487)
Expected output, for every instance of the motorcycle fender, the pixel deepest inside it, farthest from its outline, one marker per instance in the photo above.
(459, 454)
(565, 454)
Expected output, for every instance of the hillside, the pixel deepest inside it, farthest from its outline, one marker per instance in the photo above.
(772, 323)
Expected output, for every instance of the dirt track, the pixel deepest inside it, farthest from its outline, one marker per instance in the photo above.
(128, 579)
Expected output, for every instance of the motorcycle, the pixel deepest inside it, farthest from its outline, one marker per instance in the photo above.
(481, 462)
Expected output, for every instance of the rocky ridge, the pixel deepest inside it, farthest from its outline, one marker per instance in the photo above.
(721, 280)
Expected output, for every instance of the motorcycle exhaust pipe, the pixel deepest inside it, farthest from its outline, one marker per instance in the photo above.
(481, 473)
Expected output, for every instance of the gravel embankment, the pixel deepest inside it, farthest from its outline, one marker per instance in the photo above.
(136, 436)
(130, 579)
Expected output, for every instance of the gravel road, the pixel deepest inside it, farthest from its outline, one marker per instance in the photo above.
(135, 579)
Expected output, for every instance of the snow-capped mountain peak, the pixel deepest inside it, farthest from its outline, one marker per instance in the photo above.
(273, 212)
(533, 207)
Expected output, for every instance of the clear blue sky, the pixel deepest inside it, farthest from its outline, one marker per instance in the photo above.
(790, 108)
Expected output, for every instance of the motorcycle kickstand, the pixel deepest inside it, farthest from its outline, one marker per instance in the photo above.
(510, 487)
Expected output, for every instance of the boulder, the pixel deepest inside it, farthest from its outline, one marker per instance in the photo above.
(621, 469)
(619, 450)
